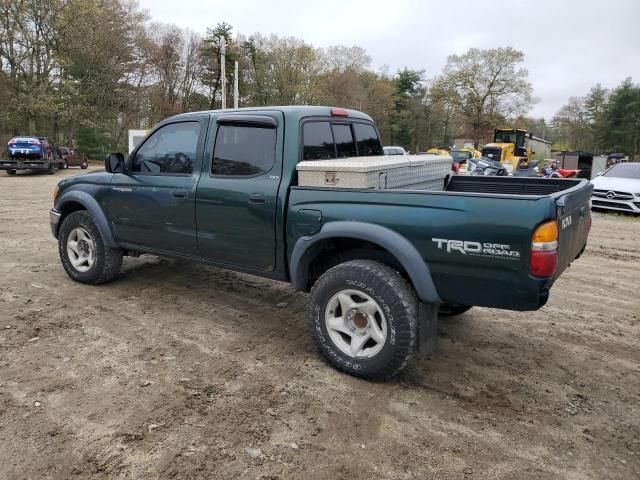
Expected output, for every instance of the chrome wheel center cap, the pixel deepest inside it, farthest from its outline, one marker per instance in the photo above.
(83, 246)
(357, 321)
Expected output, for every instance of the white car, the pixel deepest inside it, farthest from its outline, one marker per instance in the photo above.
(395, 151)
(618, 188)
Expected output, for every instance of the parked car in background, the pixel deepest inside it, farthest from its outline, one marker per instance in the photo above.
(460, 158)
(395, 151)
(31, 148)
(30, 153)
(72, 158)
(618, 188)
(62, 151)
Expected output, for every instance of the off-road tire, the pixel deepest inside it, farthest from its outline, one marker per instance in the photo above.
(11, 172)
(107, 260)
(396, 298)
(447, 310)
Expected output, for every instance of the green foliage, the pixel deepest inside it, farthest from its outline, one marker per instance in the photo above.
(94, 142)
(601, 121)
(482, 88)
(621, 119)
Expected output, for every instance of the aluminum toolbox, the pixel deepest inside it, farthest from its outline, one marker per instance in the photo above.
(423, 172)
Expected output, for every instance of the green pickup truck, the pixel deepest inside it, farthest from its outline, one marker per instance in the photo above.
(221, 187)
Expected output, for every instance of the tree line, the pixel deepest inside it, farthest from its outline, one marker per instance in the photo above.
(83, 72)
(601, 121)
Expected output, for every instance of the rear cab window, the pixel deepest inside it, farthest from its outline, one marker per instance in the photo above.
(327, 139)
(367, 140)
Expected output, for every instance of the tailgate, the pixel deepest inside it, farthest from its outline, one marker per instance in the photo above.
(574, 222)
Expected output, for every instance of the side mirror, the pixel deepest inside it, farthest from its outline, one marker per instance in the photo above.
(114, 163)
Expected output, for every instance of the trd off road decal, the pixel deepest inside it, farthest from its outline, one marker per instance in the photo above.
(465, 247)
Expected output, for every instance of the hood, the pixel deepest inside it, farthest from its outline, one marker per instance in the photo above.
(99, 177)
(617, 184)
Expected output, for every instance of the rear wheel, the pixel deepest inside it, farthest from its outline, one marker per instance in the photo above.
(363, 319)
(84, 256)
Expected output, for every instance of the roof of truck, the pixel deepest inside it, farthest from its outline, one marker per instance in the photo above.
(298, 111)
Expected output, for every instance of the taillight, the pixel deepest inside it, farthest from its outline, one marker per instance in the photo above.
(339, 112)
(544, 249)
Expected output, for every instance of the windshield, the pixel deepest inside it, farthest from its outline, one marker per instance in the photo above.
(506, 137)
(624, 170)
(460, 155)
(393, 151)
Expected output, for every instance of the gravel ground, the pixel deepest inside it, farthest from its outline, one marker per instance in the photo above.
(184, 371)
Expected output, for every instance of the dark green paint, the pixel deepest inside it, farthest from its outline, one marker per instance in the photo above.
(218, 223)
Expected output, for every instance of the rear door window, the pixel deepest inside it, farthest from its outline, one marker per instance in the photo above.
(243, 151)
(345, 146)
(367, 140)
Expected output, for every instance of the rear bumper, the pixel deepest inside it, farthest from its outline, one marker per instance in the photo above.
(23, 164)
(29, 155)
(618, 205)
(54, 221)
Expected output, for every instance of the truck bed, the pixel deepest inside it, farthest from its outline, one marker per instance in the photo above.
(485, 210)
(508, 185)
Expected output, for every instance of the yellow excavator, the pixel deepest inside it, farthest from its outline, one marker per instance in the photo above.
(474, 153)
(437, 151)
(509, 147)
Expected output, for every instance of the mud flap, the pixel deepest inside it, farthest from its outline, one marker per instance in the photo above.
(427, 328)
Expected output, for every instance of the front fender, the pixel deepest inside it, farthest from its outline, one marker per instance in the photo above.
(304, 252)
(93, 207)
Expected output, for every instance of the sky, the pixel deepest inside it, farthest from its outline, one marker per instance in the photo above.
(569, 45)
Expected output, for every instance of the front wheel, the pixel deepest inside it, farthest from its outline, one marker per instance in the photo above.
(65, 165)
(11, 172)
(51, 169)
(364, 319)
(84, 165)
(84, 256)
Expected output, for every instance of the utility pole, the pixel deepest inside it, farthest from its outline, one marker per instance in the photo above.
(223, 51)
(235, 86)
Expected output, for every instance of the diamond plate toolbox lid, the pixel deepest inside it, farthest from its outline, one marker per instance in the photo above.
(375, 172)
(354, 164)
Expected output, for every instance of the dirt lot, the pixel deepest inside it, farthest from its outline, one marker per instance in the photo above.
(173, 370)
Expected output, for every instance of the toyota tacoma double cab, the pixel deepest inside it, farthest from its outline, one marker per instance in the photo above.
(221, 188)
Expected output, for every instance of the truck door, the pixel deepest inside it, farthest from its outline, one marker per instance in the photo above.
(237, 193)
(153, 204)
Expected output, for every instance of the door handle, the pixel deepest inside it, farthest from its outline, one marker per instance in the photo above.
(179, 193)
(257, 198)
